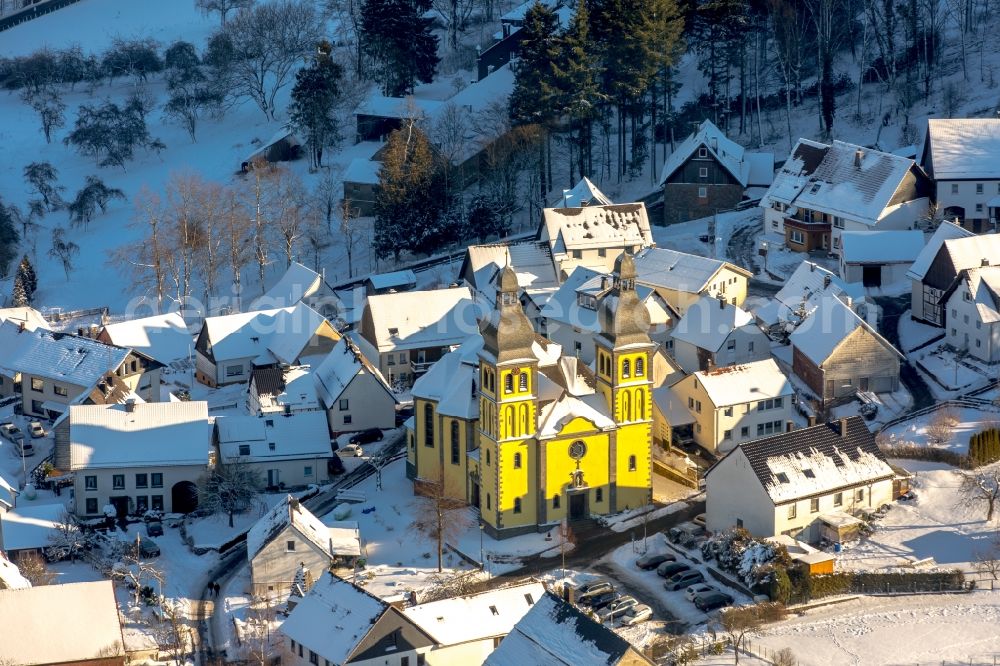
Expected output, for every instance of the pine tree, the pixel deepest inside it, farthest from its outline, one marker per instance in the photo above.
(400, 44)
(535, 97)
(27, 272)
(411, 201)
(8, 236)
(19, 295)
(314, 99)
(578, 93)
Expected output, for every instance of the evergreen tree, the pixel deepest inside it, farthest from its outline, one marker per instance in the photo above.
(399, 43)
(483, 221)
(411, 202)
(578, 93)
(535, 98)
(314, 100)
(26, 272)
(19, 295)
(8, 236)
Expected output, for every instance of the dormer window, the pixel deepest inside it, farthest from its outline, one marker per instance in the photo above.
(703, 152)
(394, 332)
(782, 477)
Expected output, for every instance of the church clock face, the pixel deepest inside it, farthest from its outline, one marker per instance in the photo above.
(577, 450)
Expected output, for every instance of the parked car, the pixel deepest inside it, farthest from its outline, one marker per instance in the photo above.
(617, 608)
(637, 615)
(698, 589)
(593, 587)
(147, 548)
(699, 520)
(668, 569)
(712, 600)
(600, 600)
(366, 436)
(351, 451)
(11, 432)
(154, 528)
(654, 560)
(36, 429)
(685, 534)
(23, 448)
(683, 579)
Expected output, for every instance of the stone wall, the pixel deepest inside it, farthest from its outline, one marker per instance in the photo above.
(682, 203)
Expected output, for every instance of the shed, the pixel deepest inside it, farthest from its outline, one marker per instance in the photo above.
(879, 258)
(283, 146)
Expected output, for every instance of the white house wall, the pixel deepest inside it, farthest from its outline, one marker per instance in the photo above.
(105, 484)
(733, 494)
(965, 330)
(369, 405)
(272, 570)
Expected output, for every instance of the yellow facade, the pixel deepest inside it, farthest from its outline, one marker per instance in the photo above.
(595, 460)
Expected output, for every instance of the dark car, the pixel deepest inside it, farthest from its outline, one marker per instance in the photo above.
(599, 601)
(668, 569)
(366, 436)
(654, 560)
(334, 465)
(154, 528)
(147, 548)
(683, 579)
(712, 600)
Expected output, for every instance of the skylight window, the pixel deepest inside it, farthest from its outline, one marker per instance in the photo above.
(782, 477)
(809, 474)
(493, 609)
(528, 598)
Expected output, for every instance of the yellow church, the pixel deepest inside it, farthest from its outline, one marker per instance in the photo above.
(511, 424)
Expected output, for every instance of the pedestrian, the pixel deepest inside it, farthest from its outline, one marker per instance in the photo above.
(216, 587)
(210, 588)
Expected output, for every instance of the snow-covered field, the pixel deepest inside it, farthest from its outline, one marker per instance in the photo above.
(970, 422)
(936, 524)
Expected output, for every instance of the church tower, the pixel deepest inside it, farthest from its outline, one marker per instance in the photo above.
(507, 413)
(624, 378)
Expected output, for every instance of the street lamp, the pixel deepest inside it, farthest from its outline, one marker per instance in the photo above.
(482, 562)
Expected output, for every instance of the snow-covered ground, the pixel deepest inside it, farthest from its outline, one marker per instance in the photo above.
(936, 524)
(892, 631)
(913, 333)
(947, 375)
(970, 422)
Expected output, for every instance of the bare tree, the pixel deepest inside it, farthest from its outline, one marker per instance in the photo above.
(981, 488)
(455, 14)
(260, 642)
(145, 261)
(133, 570)
(260, 190)
(184, 231)
(440, 517)
(236, 232)
(268, 41)
(739, 621)
(33, 567)
(223, 7)
(230, 488)
(173, 634)
(567, 540)
(63, 249)
(352, 231)
(66, 540)
(940, 430)
(50, 108)
(785, 657)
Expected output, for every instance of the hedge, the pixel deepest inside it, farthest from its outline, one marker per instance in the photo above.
(928, 453)
(847, 582)
(984, 447)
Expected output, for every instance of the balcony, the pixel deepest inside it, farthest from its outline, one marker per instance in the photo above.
(419, 368)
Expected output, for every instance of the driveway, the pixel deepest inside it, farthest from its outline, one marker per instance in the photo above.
(893, 307)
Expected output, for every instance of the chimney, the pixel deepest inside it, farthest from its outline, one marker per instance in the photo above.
(20, 327)
(79, 331)
(858, 154)
(985, 262)
(789, 426)
(826, 281)
(812, 267)
(843, 427)
(812, 420)
(130, 405)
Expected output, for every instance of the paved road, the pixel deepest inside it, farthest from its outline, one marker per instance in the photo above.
(210, 629)
(893, 307)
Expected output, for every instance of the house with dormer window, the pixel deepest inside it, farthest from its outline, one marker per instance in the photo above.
(823, 190)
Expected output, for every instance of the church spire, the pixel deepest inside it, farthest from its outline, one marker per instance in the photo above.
(507, 333)
(624, 319)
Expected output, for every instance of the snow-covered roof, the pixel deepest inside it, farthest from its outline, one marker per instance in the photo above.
(881, 247)
(680, 271)
(164, 338)
(151, 434)
(450, 381)
(281, 387)
(554, 416)
(333, 618)
(842, 179)
(303, 434)
(746, 168)
(531, 261)
(288, 513)
(595, 227)
(816, 460)
(672, 406)
(344, 362)
(709, 322)
(969, 252)
(802, 292)
(362, 171)
(945, 231)
(984, 286)
(749, 382)
(344, 537)
(61, 624)
(297, 283)
(964, 148)
(398, 107)
(30, 317)
(476, 617)
(396, 280)
(279, 334)
(832, 321)
(31, 526)
(416, 319)
(554, 633)
(584, 193)
(10, 576)
(564, 304)
(59, 357)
